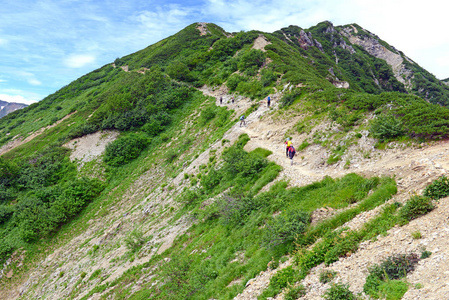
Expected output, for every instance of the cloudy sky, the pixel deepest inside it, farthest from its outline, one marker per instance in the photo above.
(46, 44)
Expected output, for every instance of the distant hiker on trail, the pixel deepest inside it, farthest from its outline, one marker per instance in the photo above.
(232, 100)
(288, 144)
(242, 120)
(268, 101)
(221, 100)
(291, 153)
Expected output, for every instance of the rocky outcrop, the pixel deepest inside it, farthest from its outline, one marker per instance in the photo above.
(306, 41)
(371, 44)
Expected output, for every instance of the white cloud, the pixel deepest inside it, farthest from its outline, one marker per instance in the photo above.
(17, 99)
(79, 60)
(34, 81)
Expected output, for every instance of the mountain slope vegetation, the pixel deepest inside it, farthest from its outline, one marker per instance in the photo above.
(182, 205)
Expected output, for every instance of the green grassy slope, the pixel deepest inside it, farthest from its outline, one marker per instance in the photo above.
(43, 195)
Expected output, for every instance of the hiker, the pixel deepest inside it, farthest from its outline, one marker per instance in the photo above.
(221, 100)
(288, 144)
(291, 153)
(242, 120)
(232, 99)
(268, 102)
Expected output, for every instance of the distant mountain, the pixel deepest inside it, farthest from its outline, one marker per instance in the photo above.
(9, 107)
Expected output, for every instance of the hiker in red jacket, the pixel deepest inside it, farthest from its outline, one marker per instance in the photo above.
(291, 153)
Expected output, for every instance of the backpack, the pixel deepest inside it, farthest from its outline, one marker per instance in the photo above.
(242, 118)
(292, 150)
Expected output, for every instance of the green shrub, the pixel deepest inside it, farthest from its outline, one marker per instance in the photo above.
(235, 209)
(416, 235)
(288, 98)
(124, 149)
(233, 81)
(294, 293)
(262, 152)
(135, 240)
(339, 291)
(282, 278)
(6, 212)
(327, 276)
(251, 58)
(285, 227)
(415, 207)
(268, 76)
(439, 188)
(386, 127)
(392, 289)
(208, 114)
(425, 254)
(393, 268)
(303, 145)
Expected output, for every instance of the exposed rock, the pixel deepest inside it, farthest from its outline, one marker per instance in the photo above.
(202, 27)
(375, 48)
(305, 40)
(261, 42)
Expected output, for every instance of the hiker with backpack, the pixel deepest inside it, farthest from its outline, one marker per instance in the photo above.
(268, 101)
(291, 153)
(288, 144)
(242, 120)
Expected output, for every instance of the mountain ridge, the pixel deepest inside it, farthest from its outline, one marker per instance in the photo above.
(9, 107)
(182, 212)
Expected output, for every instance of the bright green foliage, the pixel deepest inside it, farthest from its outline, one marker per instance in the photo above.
(393, 289)
(288, 98)
(294, 293)
(386, 127)
(262, 152)
(41, 213)
(415, 207)
(339, 291)
(283, 277)
(439, 188)
(286, 227)
(124, 149)
(393, 268)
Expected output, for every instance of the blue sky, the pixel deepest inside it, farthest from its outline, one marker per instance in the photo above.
(46, 44)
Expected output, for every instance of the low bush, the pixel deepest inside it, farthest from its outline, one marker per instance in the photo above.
(392, 289)
(233, 81)
(288, 98)
(135, 240)
(393, 268)
(124, 149)
(387, 126)
(234, 209)
(6, 212)
(415, 207)
(283, 277)
(327, 276)
(439, 188)
(339, 291)
(286, 227)
(294, 293)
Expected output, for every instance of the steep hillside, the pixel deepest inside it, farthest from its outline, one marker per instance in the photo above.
(138, 181)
